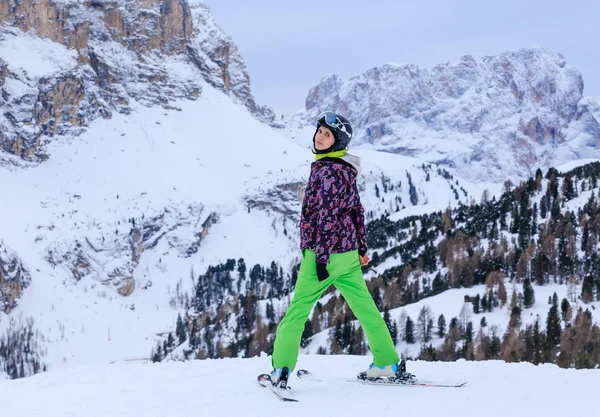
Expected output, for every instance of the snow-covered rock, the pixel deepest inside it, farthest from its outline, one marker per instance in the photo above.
(14, 278)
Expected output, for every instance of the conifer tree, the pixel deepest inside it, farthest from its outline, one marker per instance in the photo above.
(543, 207)
(568, 189)
(538, 343)
(441, 326)
(587, 289)
(306, 334)
(409, 332)
(553, 329)
(564, 308)
(180, 329)
(476, 303)
(377, 298)
(528, 294)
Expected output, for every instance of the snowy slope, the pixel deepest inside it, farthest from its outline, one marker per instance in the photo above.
(228, 388)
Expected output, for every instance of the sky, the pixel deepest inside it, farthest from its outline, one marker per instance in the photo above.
(289, 46)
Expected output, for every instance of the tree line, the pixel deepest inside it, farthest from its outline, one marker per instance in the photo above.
(532, 235)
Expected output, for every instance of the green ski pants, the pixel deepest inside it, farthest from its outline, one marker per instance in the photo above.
(346, 274)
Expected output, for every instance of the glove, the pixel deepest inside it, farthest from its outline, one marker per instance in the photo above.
(322, 273)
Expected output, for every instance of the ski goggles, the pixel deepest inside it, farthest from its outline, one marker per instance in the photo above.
(333, 121)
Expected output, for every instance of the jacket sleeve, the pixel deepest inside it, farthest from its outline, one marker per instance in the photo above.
(329, 194)
(359, 221)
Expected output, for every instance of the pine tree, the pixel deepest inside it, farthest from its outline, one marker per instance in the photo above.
(585, 237)
(377, 298)
(476, 303)
(306, 334)
(394, 331)
(538, 179)
(387, 319)
(180, 330)
(409, 332)
(453, 323)
(543, 207)
(538, 343)
(587, 289)
(528, 294)
(564, 308)
(553, 329)
(441, 326)
(568, 189)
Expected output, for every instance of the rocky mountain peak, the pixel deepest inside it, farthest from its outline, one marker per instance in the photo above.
(100, 56)
(524, 107)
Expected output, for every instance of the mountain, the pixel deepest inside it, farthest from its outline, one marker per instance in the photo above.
(65, 63)
(491, 118)
(228, 388)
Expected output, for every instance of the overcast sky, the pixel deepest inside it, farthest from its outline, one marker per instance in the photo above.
(289, 46)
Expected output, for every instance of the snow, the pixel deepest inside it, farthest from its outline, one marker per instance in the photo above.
(228, 387)
(37, 57)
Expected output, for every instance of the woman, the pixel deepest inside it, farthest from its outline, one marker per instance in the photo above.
(334, 246)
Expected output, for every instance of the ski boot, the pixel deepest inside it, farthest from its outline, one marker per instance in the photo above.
(395, 372)
(279, 377)
(375, 372)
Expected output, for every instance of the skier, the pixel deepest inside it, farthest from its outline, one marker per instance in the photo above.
(334, 247)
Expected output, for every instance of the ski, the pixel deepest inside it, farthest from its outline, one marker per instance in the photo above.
(410, 382)
(417, 383)
(284, 393)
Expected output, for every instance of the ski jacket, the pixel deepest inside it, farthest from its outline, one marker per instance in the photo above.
(332, 219)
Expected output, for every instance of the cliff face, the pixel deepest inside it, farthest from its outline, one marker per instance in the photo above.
(64, 63)
(491, 118)
(14, 278)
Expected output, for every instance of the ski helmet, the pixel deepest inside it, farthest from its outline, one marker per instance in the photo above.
(340, 128)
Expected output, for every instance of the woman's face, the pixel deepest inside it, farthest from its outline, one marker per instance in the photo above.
(324, 139)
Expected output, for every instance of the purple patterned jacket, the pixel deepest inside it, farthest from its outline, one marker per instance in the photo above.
(333, 218)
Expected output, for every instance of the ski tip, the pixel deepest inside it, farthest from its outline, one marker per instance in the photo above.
(302, 372)
(263, 378)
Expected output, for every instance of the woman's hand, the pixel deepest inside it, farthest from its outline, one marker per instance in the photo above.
(363, 259)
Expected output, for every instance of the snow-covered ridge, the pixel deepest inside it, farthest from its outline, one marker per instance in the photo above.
(492, 118)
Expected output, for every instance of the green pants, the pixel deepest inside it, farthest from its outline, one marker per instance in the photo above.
(346, 274)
